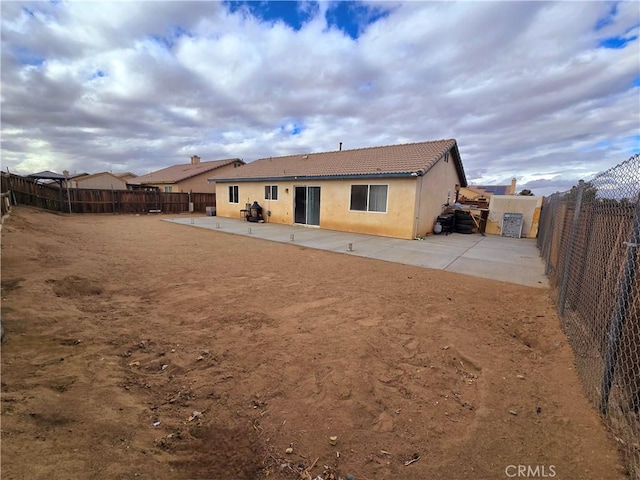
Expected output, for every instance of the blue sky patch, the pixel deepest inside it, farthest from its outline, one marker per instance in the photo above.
(169, 40)
(352, 18)
(293, 14)
(608, 20)
(97, 74)
(25, 56)
(636, 82)
(616, 42)
(292, 127)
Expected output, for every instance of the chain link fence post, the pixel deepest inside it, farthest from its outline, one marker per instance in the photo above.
(570, 243)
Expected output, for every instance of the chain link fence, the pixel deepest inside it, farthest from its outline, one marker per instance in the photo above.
(590, 240)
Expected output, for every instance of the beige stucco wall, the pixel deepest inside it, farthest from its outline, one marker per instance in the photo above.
(335, 197)
(396, 222)
(105, 181)
(432, 194)
(528, 206)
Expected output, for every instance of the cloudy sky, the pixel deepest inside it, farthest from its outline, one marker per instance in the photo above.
(545, 92)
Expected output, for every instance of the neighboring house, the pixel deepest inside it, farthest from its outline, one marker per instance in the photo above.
(190, 177)
(484, 192)
(394, 191)
(102, 180)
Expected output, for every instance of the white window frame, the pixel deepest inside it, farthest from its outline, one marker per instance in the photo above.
(234, 196)
(369, 185)
(268, 194)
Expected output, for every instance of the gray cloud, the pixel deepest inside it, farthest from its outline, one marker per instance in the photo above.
(138, 86)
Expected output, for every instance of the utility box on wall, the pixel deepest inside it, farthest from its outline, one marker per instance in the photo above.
(512, 225)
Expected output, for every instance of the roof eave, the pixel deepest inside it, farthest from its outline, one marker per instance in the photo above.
(418, 173)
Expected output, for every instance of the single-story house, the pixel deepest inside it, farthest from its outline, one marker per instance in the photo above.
(393, 191)
(102, 180)
(190, 177)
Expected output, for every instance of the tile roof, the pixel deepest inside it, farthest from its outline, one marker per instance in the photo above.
(177, 173)
(390, 160)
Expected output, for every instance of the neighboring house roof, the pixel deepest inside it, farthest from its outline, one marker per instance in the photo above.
(492, 189)
(125, 174)
(411, 159)
(177, 173)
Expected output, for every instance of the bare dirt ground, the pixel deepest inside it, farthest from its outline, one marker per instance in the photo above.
(137, 348)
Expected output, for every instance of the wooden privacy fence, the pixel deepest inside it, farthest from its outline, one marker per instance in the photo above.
(25, 191)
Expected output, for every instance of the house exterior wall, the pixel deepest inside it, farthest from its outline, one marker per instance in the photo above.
(397, 221)
(529, 206)
(335, 198)
(432, 192)
(106, 182)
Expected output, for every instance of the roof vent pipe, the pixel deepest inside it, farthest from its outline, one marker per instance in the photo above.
(340, 146)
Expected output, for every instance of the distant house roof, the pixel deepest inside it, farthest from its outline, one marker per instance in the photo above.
(125, 174)
(411, 159)
(177, 173)
(492, 189)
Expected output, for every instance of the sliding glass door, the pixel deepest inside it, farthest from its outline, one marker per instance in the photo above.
(307, 205)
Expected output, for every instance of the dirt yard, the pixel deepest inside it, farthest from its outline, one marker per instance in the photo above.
(137, 348)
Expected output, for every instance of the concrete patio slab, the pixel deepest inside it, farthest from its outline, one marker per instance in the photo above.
(512, 260)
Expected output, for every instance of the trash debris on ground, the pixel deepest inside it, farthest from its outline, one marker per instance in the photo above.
(195, 415)
(414, 458)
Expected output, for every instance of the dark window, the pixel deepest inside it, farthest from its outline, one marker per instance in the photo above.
(359, 197)
(271, 192)
(233, 194)
(369, 198)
